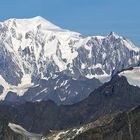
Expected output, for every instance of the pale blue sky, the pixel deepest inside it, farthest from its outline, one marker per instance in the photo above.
(89, 17)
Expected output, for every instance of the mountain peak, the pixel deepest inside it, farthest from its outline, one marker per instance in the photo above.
(38, 18)
(42, 21)
(33, 22)
(114, 34)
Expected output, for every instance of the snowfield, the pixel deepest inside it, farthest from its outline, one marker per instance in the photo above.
(133, 76)
(20, 130)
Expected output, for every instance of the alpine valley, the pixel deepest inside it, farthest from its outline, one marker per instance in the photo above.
(57, 84)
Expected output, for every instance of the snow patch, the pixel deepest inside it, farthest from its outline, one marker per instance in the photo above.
(133, 76)
(80, 130)
(102, 78)
(20, 130)
(19, 90)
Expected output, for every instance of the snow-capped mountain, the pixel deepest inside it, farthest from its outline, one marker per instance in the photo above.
(35, 50)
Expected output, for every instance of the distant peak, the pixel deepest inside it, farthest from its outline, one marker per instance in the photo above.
(45, 23)
(113, 34)
(38, 18)
(34, 22)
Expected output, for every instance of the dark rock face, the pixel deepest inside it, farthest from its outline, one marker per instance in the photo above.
(11, 97)
(8, 68)
(7, 134)
(62, 90)
(125, 126)
(40, 117)
(1, 89)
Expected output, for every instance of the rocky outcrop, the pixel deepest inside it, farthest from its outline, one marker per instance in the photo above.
(125, 126)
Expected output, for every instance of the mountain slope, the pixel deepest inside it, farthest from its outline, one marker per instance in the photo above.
(35, 49)
(9, 131)
(121, 126)
(23, 133)
(125, 126)
(41, 117)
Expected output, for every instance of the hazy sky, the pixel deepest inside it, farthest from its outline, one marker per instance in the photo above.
(89, 17)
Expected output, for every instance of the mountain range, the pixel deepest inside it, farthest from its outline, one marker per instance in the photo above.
(57, 84)
(41, 61)
(92, 116)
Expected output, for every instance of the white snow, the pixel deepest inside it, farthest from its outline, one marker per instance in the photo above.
(62, 98)
(61, 64)
(83, 66)
(102, 78)
(133, 76)
(19, 90)
(58, 136)
(64, 83)
(20, 130)
(80, 130)
(55, 87)
(26, 24)
(44, 90)
(96, 66)
(99, 37)
(50, 44)
(130, 45)
(44, 30)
